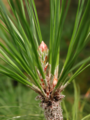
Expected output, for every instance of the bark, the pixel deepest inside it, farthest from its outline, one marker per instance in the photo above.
(52, 108)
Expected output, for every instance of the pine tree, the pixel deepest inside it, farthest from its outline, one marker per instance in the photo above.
(25, 50)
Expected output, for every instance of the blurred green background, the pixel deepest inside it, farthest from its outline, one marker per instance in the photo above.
(18, 101)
